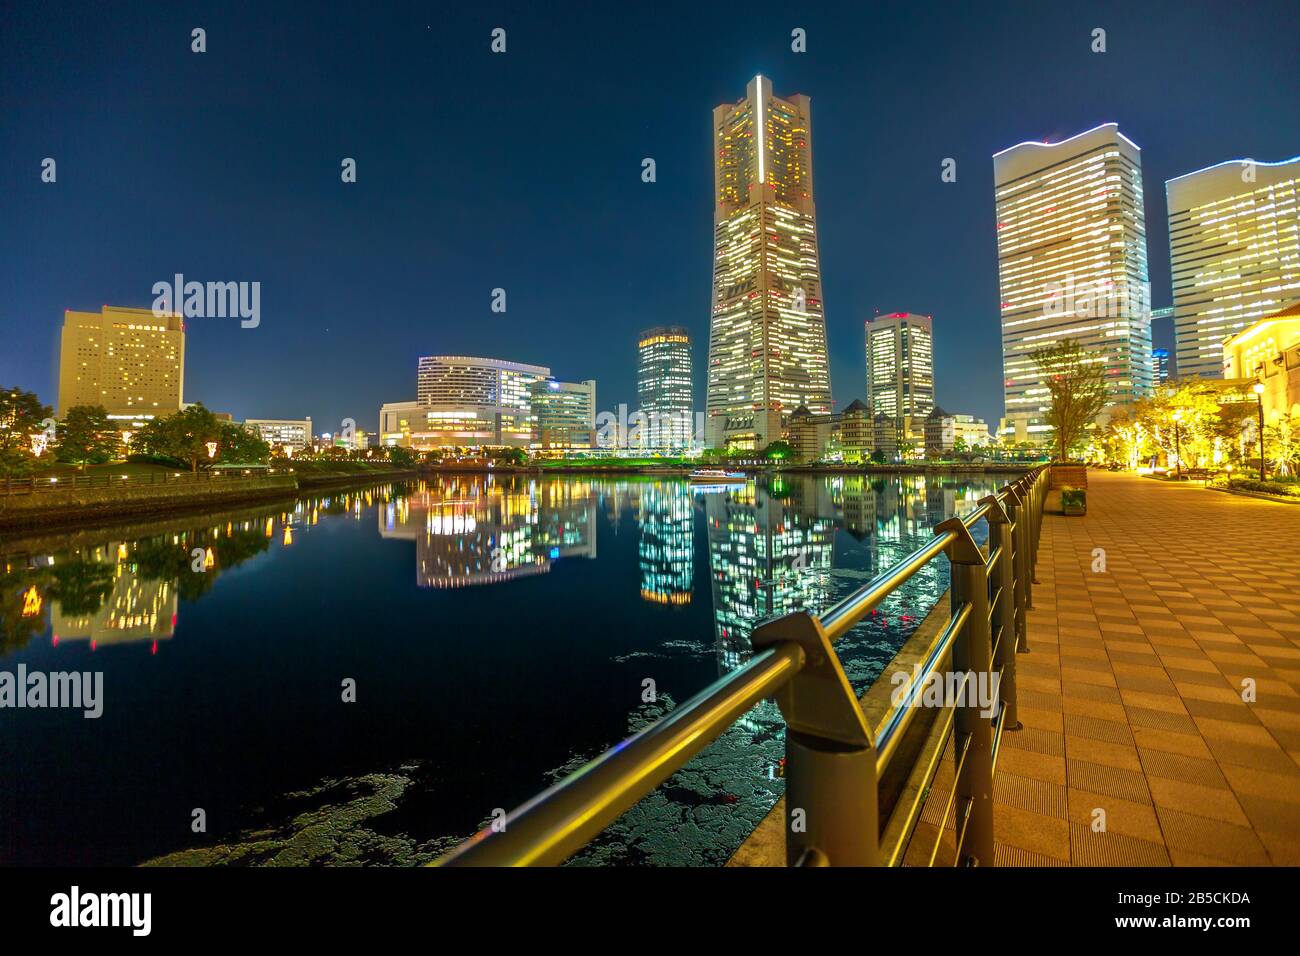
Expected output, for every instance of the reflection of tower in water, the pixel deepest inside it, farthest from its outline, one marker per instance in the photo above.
(666, 517)
(769, 554)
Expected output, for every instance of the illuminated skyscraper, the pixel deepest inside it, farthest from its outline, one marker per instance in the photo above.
(663, 386)
(1234, 250)
(1072, 264)
(767, 337)
(129, 361)
(564, 415)
(900, 369)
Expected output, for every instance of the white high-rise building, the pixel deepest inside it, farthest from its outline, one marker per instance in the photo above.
(1072, 264)
(900, 369)
(664, 388)
(767, 337)
(1234, 251)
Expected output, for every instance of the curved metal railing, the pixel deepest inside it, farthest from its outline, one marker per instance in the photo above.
(834, 761)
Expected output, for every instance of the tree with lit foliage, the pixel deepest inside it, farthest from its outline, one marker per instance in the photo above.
(184, 435)
(1205, 421)
(778, 450)
(1282, 441)
(21, 415)
(1075, 379)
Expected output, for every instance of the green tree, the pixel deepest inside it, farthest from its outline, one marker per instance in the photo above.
(21, 416)
(1076, 387)
(237, 445)
(86, 436)
(778, 450)
(184, 436)
(878, 456)
(400, 456)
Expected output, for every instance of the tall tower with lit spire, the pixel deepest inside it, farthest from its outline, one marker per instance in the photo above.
(767, 335)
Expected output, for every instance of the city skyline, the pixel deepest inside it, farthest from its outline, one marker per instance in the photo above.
(323, 324)
(497, 436)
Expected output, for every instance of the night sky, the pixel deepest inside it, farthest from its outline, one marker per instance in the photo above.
(523, 171)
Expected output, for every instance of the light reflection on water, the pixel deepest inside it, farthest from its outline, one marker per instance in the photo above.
(501, 631)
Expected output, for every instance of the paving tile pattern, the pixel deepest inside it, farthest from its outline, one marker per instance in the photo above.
(1134, 694)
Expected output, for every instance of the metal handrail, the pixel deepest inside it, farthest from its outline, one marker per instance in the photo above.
(833, 761)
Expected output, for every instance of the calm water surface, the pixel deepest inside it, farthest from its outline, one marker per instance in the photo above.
(499, 632)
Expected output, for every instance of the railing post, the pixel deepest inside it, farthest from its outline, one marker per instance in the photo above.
(1004, 610)
(1026, 489)
(972, 654)
(1018, 511)
(831, 791)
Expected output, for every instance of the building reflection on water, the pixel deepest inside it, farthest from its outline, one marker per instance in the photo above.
(471, 530)
(128, 589)
(666, 550)
(772, 546)
(770, 552)
(135, 609)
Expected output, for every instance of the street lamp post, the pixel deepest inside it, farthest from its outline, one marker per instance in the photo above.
(1259, 401)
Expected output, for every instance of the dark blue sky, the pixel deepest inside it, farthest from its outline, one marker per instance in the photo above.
(522, 171)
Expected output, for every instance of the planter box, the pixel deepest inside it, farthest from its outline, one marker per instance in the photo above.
(1074, 501)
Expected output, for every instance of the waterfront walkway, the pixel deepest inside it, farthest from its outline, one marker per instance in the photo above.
(1131, 695)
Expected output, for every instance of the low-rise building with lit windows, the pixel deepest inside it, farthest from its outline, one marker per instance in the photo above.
(1269, 351)
(856, 432)
(282, 433)
(422, 428)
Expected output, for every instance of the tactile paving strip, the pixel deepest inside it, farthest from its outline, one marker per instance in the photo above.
(1036, 740)
(1110, 781)
(1004, 855)
(1026, 793)
(1090, 848)
(1211, 838)
(1162, 720)
(1159, 763)
(1038, 700)
(1107, 695)
(1094, 728)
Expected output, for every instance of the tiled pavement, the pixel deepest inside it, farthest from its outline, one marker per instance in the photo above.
(1131, 694)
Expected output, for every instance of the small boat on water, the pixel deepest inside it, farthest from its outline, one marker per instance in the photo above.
(717, 476)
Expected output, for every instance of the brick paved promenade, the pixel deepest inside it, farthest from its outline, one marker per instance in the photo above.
(1131, 695)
